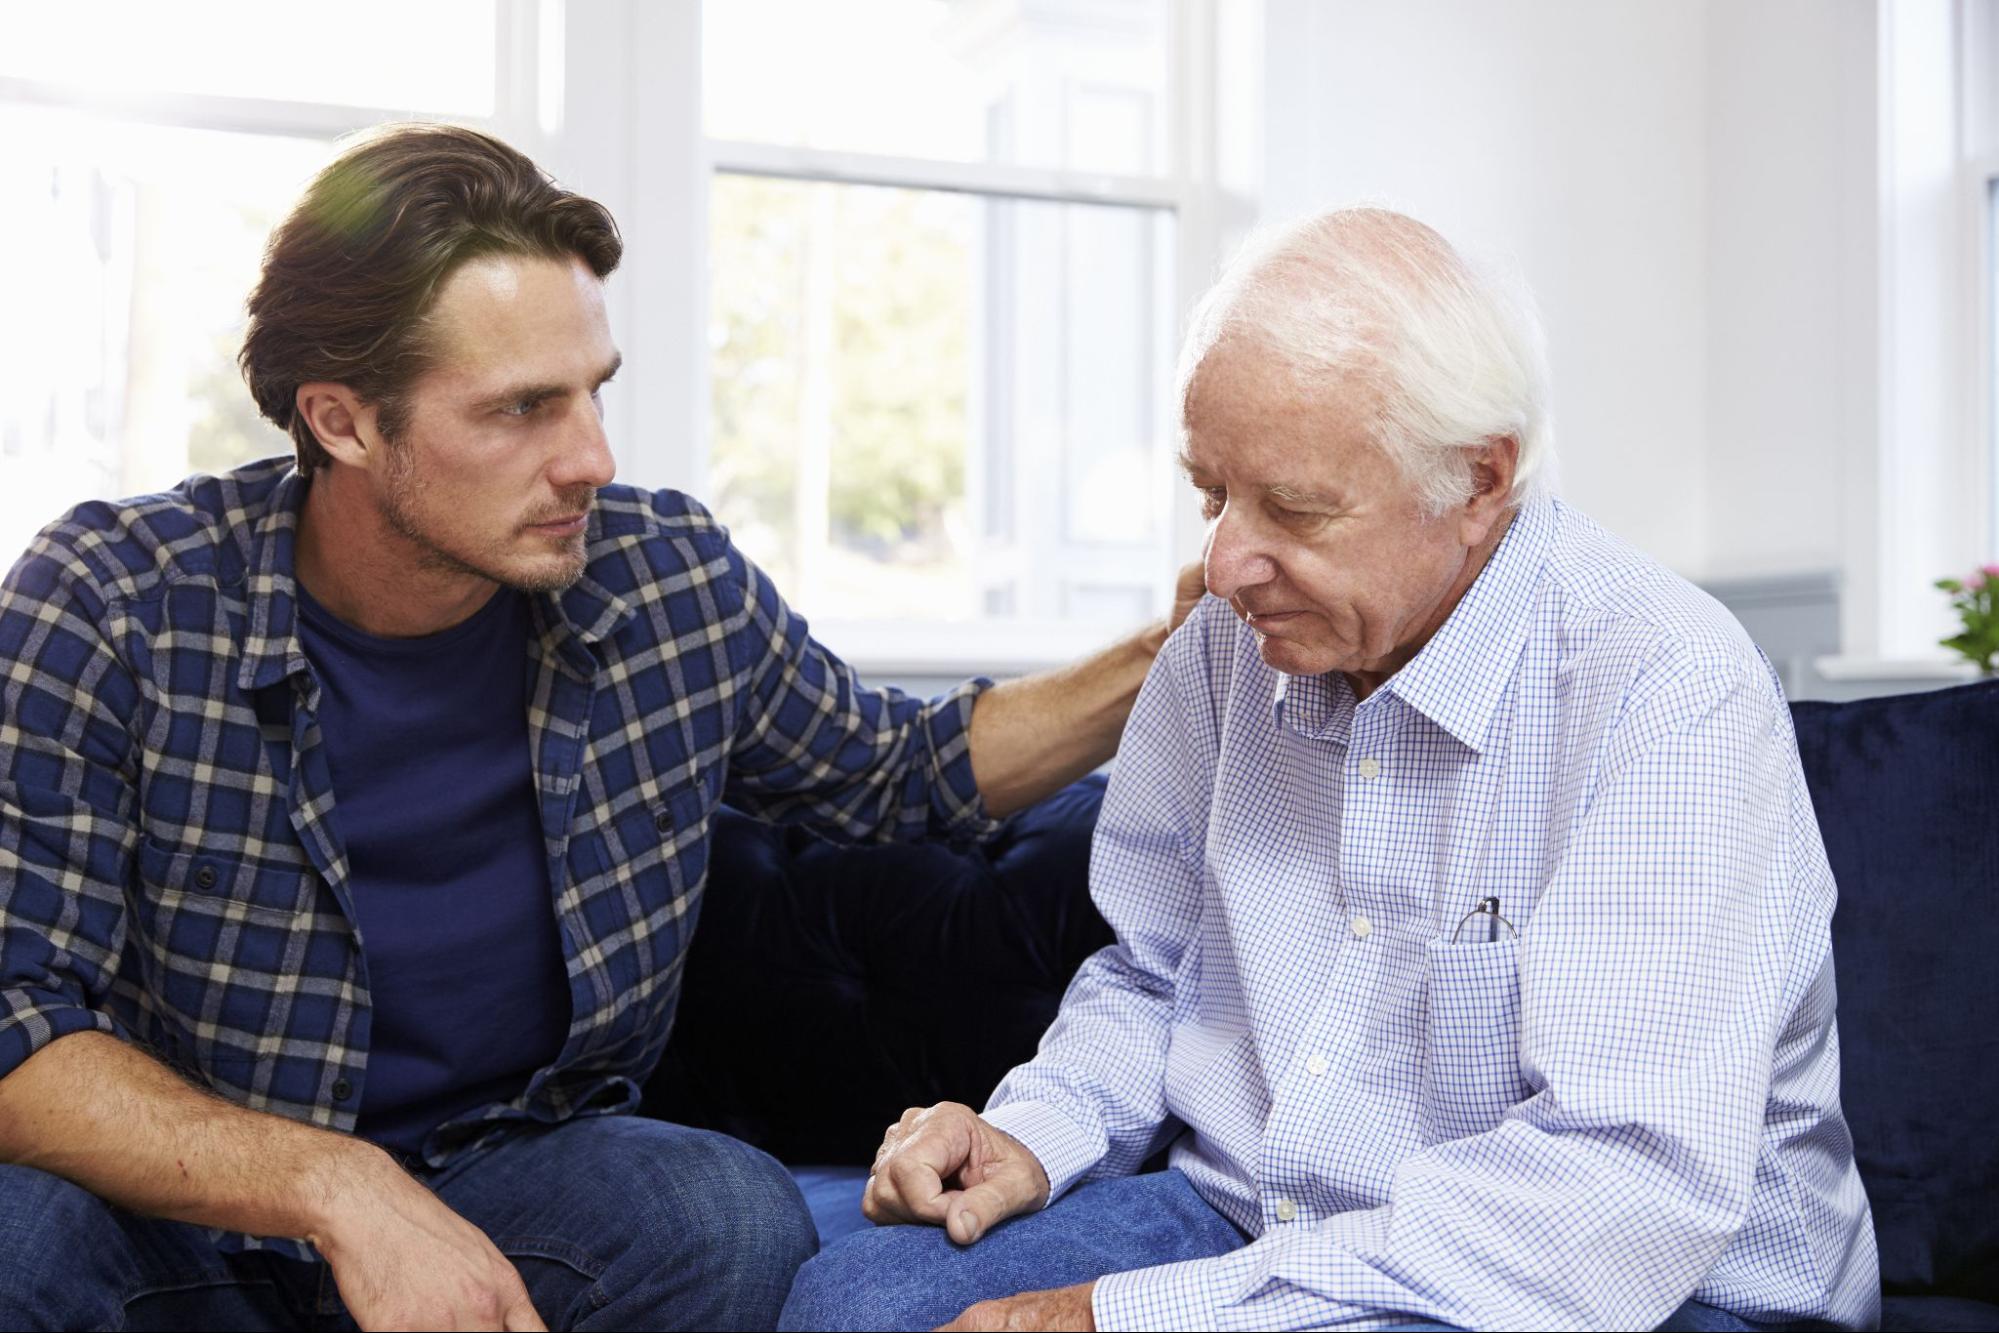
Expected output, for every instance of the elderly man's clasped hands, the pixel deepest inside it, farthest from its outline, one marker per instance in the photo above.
(946, 1166)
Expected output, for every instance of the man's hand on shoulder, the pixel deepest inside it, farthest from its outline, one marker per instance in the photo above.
(1188, 589)
(403, 1259)
(946, 1166)
(1062, 1308)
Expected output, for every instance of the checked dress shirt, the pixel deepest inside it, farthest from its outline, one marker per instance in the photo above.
(170, 866)
(1633, 1103)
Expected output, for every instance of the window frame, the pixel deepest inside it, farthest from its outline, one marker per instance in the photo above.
(517, 87)
(607, 96)
(664, 318)
(1982, 180)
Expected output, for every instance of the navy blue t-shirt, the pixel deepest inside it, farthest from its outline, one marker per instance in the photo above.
(434, 797)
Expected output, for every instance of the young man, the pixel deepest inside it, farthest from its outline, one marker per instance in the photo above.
(353, 815)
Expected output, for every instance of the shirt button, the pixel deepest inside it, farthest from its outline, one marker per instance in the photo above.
(1316, 1066)
(1363, 927)
(342, 1089)
(205, 877)
(663, 821)
(1286, 1210)
(1370, 769)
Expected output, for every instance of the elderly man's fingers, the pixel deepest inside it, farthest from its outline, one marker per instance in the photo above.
(984, 1206)
(879, 1202)
(918, 1187)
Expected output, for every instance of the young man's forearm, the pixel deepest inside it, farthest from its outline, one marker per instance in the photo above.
(110, 1118)
(1031, 737)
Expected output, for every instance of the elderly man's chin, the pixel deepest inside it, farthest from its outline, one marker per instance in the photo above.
(1298, 654)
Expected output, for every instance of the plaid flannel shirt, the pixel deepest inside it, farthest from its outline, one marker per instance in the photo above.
(171, 869)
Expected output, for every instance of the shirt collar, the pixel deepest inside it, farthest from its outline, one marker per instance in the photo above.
(586, 609)
(1319, 708)
(1460, 676)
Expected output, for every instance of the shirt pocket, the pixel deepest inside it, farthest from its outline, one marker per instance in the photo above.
(1471, 1075)
(659, 847)
(218, 941)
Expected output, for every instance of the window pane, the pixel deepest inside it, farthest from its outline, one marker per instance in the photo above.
(1078, 87)
(940, 406)
(434, 56)
(120, 343)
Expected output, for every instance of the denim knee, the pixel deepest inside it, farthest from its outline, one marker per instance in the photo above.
(730, 1223)
(889, 1277)
(50, 1233)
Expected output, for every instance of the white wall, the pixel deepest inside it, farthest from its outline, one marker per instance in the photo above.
(1755, 252)
(1570, 135)
(1791, 243)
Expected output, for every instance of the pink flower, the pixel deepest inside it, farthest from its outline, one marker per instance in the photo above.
(1989, 571)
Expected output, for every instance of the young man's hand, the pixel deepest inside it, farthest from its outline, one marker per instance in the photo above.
(1062, 1308)
(403, 1259)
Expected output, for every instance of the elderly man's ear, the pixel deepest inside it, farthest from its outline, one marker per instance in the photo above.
(1492, 468)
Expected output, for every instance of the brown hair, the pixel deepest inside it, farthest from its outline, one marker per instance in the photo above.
(351, 273)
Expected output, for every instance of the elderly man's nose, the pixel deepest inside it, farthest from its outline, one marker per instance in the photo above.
(1233, 560)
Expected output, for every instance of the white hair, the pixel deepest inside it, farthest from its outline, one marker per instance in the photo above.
(1450, 357)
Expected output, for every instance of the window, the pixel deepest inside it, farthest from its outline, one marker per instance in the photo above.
(901, 291)
(145, 174)
(944, 258)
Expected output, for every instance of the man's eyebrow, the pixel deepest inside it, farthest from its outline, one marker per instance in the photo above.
(537, 393)
(1280, 491)
(1298, 495)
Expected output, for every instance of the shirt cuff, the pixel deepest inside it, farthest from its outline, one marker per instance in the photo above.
(1178, 1295)
(948, 728)
(1064, 1148)
(31, 1019)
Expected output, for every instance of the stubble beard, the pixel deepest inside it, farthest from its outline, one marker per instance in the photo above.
(400, 509)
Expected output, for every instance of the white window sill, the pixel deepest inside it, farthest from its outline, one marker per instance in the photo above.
(1844, 668)
(990, 648)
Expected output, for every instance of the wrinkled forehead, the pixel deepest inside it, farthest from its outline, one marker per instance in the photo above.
(1246, 382)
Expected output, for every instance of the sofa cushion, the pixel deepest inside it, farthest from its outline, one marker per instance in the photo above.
(829, 987)
(1944, 1314)
(1907, 794)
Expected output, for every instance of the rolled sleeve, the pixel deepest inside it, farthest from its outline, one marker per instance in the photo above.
(32, 1018)
(960, 811)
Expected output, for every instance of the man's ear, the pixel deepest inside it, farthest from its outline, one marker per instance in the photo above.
(1493, 465)
(345, 426)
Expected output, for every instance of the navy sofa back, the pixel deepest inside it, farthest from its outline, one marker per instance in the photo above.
(829, 988)
(1907, 794)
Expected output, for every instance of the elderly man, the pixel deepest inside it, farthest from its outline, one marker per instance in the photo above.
(1472, 959)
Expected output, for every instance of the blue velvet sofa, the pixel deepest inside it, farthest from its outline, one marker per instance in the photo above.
(829, 988)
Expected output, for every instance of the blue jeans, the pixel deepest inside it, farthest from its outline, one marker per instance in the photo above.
(613, 1222)
(915, 1278)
